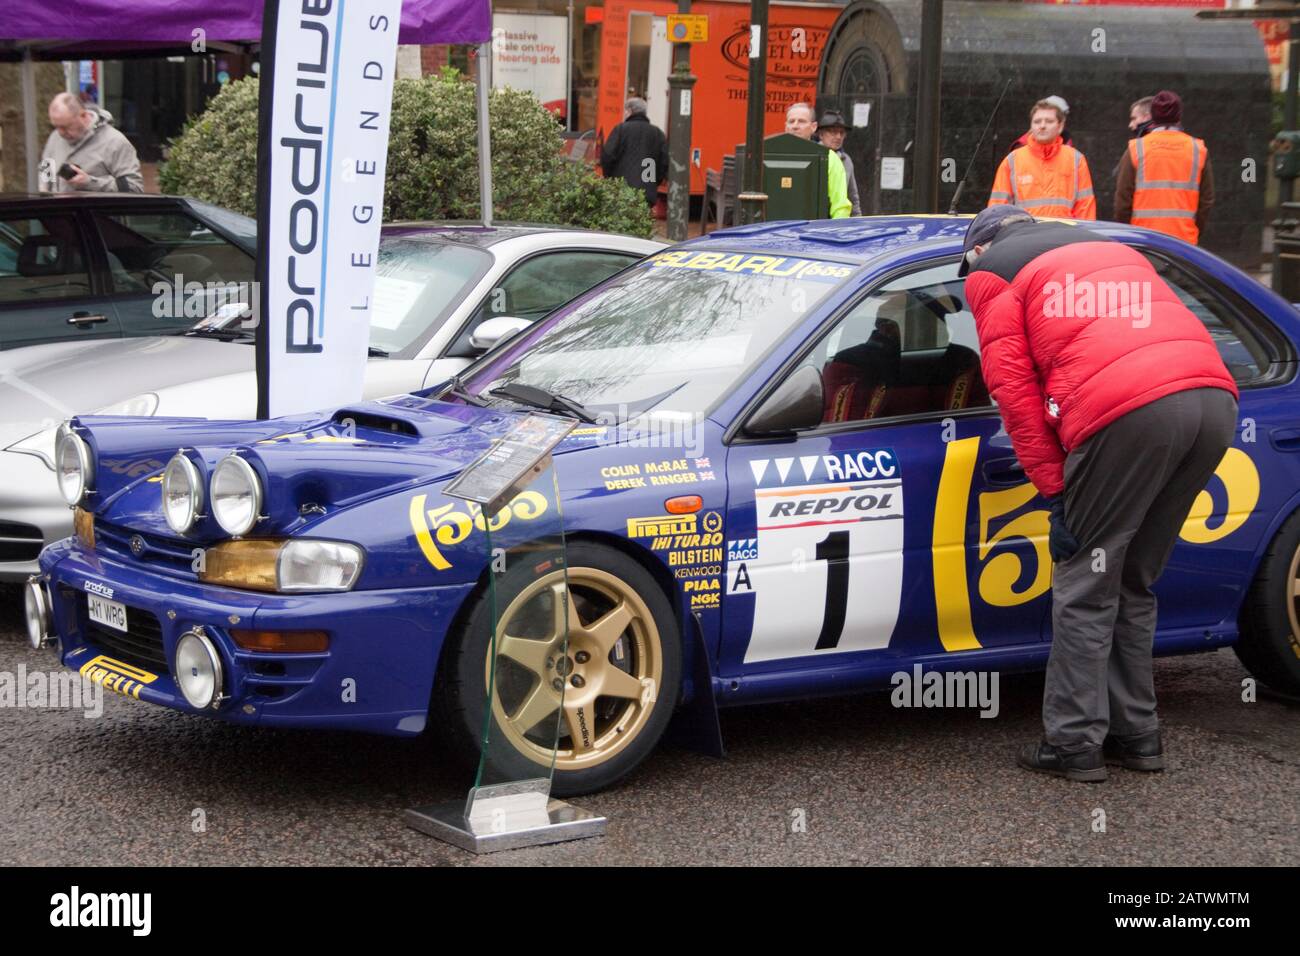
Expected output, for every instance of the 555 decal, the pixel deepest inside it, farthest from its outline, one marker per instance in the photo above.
(999, 525)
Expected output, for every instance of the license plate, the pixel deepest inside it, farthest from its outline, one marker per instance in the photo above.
(106, 612)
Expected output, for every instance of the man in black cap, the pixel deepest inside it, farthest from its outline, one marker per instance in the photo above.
(1119, 413)
(831, 131)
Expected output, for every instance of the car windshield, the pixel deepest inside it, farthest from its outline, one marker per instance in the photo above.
(417, 285)
(672, 334)
(240, 227)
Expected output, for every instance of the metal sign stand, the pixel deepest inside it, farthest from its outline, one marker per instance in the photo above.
(507, 816)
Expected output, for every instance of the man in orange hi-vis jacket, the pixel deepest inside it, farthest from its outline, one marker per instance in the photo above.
(1164, 180)
(1045, 177)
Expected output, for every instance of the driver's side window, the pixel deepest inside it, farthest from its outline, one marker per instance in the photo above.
(909, 348)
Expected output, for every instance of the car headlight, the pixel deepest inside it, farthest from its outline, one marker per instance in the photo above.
(182, 493)
(236, 495)
(73, 466)
(283, 565)
(43, 444)
(198, 669)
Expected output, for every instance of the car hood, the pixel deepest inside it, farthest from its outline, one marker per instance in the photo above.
(310, 466)
(43, 385)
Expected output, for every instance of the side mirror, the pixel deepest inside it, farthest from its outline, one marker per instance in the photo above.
(496, 330)
(797, 404)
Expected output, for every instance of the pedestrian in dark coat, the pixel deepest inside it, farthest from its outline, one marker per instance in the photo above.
(636, 150)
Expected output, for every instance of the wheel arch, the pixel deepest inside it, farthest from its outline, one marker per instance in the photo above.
(659, 572)
(645, 558)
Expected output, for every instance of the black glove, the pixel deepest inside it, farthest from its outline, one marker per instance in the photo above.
(1061, 544)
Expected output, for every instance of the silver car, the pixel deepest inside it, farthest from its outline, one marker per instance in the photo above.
(444, 293)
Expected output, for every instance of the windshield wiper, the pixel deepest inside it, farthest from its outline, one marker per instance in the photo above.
(457, 388)
(376, 353)
(541, 398)
(229, 335)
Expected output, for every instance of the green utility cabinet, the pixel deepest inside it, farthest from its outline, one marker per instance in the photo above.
(794, 178)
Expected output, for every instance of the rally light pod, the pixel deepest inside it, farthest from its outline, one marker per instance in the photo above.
(182, 493)
(236, 496)
(36, 607)
(73, 465)
(198, 670)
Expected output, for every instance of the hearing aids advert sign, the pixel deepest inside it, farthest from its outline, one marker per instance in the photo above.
(531, 52)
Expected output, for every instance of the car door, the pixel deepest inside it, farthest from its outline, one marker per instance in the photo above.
(539, 284)
(901, 525)
(47, 291)
(168, 269)
(1217, 545)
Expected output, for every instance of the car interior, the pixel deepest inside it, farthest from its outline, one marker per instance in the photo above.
(42, 259)
(158, 247)
(903, 352)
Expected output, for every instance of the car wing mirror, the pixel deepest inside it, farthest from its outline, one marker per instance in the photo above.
(796, 404)
(496, 330)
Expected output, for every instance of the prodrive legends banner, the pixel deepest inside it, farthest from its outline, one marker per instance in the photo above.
(327, 75)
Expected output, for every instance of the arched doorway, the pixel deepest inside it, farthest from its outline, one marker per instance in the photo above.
(863, 74)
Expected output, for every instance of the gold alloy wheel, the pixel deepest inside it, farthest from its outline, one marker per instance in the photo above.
(1292, 596)
(605, 682)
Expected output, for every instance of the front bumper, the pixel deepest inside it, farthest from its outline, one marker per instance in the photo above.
(376, 675)
(32, 514)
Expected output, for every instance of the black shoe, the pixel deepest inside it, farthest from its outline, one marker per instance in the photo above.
(1136, 753)
(1085, 765)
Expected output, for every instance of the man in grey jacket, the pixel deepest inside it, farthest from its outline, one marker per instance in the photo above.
(830, 133)
(101, 158)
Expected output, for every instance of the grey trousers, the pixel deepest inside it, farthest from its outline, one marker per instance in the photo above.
(1128, 490)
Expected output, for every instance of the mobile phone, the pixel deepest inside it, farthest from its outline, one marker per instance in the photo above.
(66, 171)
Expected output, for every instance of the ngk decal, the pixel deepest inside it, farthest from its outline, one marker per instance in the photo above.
(828, 576)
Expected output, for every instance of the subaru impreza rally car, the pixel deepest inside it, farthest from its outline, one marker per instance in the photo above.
(786, 479)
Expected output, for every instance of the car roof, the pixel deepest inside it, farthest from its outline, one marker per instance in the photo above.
(857, 240)
(475, 233)
(14, 197)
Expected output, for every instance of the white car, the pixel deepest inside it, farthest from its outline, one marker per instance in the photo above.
(444, 293)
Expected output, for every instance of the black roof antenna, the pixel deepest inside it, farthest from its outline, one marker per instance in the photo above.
(952, 209)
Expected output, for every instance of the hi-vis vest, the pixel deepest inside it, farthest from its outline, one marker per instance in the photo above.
(1060, 186)
(1168, 165)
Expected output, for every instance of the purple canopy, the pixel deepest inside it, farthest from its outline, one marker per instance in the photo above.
(128, 23)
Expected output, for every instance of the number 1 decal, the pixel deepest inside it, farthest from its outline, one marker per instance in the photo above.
(834, 550)
(854, 528)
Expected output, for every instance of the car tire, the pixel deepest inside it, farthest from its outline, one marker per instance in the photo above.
(1269, 641)
(615, 731)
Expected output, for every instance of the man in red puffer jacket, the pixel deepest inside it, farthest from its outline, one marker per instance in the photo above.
(1119, 408)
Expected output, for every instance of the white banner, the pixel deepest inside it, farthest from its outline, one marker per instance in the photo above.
(531, 52)
(322, 198)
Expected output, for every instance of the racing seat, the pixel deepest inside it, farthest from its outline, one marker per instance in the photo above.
(847, 396)
(949, 382)
(857, 380)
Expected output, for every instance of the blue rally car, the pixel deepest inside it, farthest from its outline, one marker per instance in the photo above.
(787, 480)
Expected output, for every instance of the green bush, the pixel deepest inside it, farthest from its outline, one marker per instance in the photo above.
(215, 156)
(432, 160)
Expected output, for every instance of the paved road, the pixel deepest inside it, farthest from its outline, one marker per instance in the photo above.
(873, 784)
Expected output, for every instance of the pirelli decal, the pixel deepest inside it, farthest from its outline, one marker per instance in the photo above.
(661, 526)
(116, 676)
